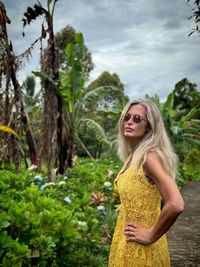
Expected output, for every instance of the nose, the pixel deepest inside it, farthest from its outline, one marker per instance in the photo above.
(130, 121)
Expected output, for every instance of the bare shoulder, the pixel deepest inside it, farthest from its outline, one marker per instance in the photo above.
(152, 160)
(153, 167)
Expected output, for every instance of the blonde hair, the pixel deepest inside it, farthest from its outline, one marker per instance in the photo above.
(155, 140)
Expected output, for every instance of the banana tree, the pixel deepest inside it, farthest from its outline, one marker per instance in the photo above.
(184, 131)
(75, 98)
(52, 112)
(175, 127)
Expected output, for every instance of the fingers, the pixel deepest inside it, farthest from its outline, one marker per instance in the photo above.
(129, 233)
(131, 227)
(134, 225)
(136, 233)
(130, 230)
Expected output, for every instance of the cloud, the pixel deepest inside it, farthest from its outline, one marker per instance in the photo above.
(145, 42)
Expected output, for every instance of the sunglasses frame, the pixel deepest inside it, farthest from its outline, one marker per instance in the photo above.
(133, 118)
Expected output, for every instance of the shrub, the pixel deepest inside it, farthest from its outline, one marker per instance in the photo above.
(55, 224)
(192, 159)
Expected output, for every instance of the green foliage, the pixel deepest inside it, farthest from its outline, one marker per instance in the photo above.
(72, 80)
(97, 130)
(55, 224)
(183, 130)
(174, 125)
(193, 158)
(30, 97)
(103, 101)
(186, 97)
(178, 113)
(188, 173)
(109, 98)
(62, 39)
(77, 99)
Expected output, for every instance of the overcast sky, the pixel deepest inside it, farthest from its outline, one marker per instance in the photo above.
(145, 42)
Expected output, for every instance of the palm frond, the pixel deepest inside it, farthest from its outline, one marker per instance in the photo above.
(84, 147)
(187, 117)
(44, 77)
(96, 130)
(169, 102)
(193, 136)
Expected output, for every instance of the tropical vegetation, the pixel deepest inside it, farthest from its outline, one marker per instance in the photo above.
(57, 149)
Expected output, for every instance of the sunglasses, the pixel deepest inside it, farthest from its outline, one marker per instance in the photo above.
(135, 118)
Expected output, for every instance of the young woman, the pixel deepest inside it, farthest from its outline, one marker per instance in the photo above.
(148, 175)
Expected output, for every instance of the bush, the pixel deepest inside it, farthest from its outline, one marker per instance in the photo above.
(57, 224)
(192, 159)
(190, 169)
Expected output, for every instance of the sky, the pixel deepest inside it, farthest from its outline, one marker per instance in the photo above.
(144, 42)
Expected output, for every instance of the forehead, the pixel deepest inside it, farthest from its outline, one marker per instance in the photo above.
(137, 109)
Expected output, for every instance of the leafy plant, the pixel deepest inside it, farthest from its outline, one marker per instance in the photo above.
(75, 98)
(183, 130)
(52, 223)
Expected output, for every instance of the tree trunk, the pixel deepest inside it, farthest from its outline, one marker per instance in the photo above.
(62, 145)
(70, 149)
(9, 68)
(25, 119)
(52, 118)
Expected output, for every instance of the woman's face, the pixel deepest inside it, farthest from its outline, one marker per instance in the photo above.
(135, 123)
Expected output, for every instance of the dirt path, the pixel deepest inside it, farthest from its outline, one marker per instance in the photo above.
(184, 236)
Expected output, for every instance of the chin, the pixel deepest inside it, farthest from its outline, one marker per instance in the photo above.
(129, 135)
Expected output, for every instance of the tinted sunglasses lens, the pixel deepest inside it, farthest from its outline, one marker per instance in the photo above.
(127, 117)
(137, 119)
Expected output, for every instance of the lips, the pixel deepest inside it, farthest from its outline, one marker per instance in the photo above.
(129, 129)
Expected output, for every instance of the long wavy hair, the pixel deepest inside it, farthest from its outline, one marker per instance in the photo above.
(155, 140)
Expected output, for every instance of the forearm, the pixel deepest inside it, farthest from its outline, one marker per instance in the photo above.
(167, 218)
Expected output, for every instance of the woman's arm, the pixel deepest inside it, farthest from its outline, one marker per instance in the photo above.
(173, 203)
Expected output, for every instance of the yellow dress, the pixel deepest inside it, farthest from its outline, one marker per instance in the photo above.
(140, 203)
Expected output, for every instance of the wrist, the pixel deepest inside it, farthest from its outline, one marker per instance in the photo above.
(152, 237)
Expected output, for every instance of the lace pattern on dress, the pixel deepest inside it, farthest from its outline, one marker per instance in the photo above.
(140, 203)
